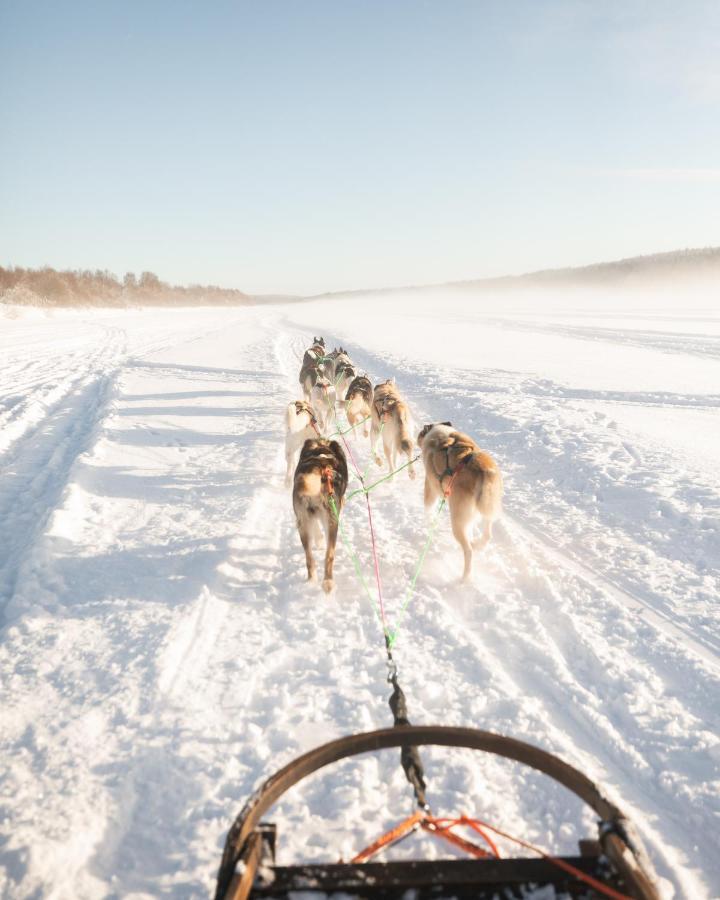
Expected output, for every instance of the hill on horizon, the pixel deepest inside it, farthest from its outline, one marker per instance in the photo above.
(46, 286)
(651, 270)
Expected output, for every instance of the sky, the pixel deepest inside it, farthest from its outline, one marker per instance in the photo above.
(300, 146)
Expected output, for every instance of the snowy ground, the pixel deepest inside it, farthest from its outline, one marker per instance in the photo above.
(160, 652)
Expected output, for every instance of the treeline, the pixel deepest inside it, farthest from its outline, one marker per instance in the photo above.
(50, 287)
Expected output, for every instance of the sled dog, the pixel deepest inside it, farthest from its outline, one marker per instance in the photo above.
(322, 400)
(321, 473)
(390, 419)
(358, 401)
(300, 424)
(343, 374)
(314, 364)
(454, 463)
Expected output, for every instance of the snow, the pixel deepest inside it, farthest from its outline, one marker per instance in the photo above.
(161, 654)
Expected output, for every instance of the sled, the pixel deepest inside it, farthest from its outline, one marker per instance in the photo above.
(611, 865)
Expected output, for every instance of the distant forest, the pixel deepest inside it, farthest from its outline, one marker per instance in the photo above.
(50, 287)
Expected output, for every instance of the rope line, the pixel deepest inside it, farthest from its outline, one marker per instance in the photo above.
(410, 592)
(366, 490)
(355, 559)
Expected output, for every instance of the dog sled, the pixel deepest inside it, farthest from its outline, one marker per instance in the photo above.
(610, 864)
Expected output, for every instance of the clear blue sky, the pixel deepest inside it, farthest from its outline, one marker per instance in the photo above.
(308, 145)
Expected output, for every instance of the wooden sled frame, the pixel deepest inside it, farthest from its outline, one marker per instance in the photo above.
(249, 842)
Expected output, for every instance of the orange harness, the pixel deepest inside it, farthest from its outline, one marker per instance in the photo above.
(451, 473)
(439, 827)
(328, 477)
(442, 828)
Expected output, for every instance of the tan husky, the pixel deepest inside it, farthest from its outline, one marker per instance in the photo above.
(300, 424)
(357, 404)
(468, 476)
(390, 419)
(321, 479)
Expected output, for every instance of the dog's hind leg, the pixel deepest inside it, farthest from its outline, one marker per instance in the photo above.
(332, 531)
(462, 520)
(390, 457)
(306, 528)
(486, 533)
(374, 438)
(319, 533)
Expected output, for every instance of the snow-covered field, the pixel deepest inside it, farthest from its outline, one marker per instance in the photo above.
(161, 653)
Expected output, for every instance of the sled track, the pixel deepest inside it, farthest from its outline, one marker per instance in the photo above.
(705, 649)
(203, 661)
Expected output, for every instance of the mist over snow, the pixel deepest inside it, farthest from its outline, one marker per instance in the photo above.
(161, 653)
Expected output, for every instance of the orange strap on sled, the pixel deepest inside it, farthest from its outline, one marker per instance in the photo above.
(390, 837)
(441, 827)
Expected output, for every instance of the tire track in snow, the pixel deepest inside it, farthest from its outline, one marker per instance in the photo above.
(39, 466)
(704, 648)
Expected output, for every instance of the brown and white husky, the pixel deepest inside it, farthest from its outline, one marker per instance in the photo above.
(343, 373)
(321, 474)
(322, 400)
(470, 479)
(300, 424)
(314, 364)
(358, 401)
(390, 420)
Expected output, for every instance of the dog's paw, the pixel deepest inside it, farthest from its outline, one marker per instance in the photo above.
(327, 585)
(411, 473)
(378, 461)
(311, 576)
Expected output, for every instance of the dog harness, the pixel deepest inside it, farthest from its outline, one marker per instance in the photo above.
(300, 407)
(385, 408)
(449, 471)
(328, 476)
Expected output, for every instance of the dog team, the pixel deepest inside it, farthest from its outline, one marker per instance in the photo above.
(455, 467)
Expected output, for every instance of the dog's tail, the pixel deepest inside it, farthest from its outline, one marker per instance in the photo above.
(406, 441)
(488, 497)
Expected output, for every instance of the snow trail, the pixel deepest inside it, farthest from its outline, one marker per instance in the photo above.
(163, 653)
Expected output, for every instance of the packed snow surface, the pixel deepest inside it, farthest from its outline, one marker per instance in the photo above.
(161, 652)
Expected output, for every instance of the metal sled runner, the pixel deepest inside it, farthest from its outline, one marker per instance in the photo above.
(612, 865)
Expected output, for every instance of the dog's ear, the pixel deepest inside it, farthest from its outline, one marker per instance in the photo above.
(449, 424)
(423, 431)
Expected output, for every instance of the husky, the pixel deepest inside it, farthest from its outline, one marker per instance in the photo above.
(321, 474)
(314, 364)
(470, 479)
(358, 401)
(322, 400)
(390, 419)
(300, 424)
(343, 373)
(331, 357)
(310, 377)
